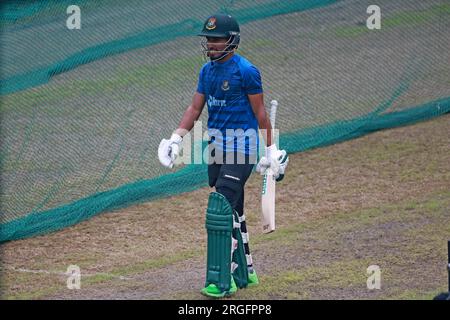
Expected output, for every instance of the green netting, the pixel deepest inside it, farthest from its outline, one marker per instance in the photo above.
(83, 111)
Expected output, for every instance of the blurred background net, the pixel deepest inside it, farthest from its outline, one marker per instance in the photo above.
(83, 111)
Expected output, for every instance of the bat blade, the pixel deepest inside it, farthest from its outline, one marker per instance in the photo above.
(268, 203)
(268, 189)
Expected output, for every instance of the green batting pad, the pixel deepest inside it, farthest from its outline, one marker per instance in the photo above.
(240, 274)
(219, 226)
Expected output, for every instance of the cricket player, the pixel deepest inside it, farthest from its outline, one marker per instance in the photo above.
(231, 86)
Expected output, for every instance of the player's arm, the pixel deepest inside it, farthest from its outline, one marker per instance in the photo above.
(257, 103)
(274, 158)
(169, 148)
(192, 113)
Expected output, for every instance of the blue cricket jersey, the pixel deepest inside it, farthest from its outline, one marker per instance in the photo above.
(226, 86)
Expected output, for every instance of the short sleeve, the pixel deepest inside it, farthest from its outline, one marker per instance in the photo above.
(200, 87)
(252, 80)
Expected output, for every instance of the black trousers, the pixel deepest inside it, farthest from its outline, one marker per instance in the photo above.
(229, 180)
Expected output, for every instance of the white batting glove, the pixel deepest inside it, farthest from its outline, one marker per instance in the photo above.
(268, 161)
(169, 149)
(275, 160)
(282, 159)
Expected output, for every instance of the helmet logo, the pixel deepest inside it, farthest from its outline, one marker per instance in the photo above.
(225, 85)
(211, 24)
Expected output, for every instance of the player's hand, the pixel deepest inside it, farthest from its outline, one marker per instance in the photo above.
(263, 165)
(169, 149)
(275, 160)
(282, 159)
(268, 161)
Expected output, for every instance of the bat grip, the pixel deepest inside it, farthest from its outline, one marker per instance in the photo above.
(273, 112)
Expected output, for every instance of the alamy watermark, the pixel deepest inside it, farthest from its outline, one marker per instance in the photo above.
(374, 20)
(236, 142)
(74, 277)
(374, 279)
(74, 20)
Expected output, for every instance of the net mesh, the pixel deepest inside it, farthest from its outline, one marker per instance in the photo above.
(83, 111)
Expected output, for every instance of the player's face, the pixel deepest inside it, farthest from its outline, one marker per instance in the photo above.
(216, 46)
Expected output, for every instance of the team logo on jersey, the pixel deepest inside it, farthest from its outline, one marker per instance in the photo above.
(225, 85)
(211, 24)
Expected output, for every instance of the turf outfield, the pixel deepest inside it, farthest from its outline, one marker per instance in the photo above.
(382, 199)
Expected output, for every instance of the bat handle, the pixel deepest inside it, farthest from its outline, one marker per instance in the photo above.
(273, 112)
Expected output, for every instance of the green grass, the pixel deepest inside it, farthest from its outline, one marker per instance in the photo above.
(34, 294)
(298, 283)
(158, 263)
(295, 284)
(324, 255)
(341, 222)
(349, 273)
(96, 279)
(417, 294)
(86, 281)
(25, 284)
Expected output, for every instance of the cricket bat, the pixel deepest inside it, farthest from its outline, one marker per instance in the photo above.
(268, 187)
